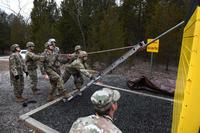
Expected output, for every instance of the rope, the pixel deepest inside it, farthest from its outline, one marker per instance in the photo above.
(108, 50)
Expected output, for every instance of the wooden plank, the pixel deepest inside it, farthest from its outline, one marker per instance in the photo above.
(38, 126)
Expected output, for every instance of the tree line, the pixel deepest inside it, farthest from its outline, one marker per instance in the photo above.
(98, 25)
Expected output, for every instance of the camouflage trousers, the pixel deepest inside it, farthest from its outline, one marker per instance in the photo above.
(33, 79)
(56, 82)
(78, 79)
(18, 86)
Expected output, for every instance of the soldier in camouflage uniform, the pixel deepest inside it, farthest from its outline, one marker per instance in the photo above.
(105, 105)
(49, 70)
(31, 62)
(77, 68)
(57, 52)
(74, 55)
(17, 67)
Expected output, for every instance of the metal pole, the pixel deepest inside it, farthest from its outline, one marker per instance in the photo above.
(151, 65)
(166, 32)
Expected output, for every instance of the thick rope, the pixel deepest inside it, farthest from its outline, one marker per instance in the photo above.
(108, 50)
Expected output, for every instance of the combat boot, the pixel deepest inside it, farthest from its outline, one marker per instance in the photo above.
(50, 98)
(20, 99)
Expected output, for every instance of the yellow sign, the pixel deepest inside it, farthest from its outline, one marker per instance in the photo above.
(153, 47)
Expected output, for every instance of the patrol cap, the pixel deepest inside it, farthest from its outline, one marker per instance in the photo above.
(77, 47)
(103, 99)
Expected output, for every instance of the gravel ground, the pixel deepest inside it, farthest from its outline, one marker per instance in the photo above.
(136, 113)
(10, 110)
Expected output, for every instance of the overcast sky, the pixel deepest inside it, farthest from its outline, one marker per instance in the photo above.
(10, 6)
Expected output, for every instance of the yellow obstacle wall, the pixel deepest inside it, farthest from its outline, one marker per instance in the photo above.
(186, 113)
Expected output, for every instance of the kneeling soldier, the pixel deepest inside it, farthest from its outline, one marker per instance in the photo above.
(76, 69)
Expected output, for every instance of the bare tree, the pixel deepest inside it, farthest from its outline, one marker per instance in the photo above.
(78, 5)
(21, 5)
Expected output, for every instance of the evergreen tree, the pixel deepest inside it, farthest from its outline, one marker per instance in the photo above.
(166, 15)
(18, 30)
(132, 15)
(4, 32)
(44, 18)
(109, 34)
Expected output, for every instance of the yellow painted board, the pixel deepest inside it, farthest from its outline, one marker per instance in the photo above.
(153, 47)
(186, 111)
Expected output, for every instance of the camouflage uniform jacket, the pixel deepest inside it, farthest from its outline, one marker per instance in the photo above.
(50, 61)
(31, 59)
(73, 57)
(80, 66)
(57, 53)
(94, 124)
(16, 65)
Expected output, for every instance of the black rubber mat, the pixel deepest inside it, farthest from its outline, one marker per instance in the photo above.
(136, 113)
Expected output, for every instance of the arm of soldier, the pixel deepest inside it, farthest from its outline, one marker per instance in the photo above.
(62, 59)
(36, 57)
(42, 70)
(71, 57)
(13, 66)
(74, 56)
(93, 71)
(42, 63)
(24, 66)
(86, 73)
(81, 68)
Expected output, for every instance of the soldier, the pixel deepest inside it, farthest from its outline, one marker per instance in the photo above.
(77, 68)
(74, 55)
(105, 105)
(53, 42)
(17, 67)
(57, 52)
(31, 62)
(49, 70)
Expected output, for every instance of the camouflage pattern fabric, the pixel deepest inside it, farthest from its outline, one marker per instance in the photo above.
(102, 101)
(94, 124)
(49, 67)
(17, 67)
(74, 56)
(57, 62)
(76, 68)
(31, 62)
(33, 79)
